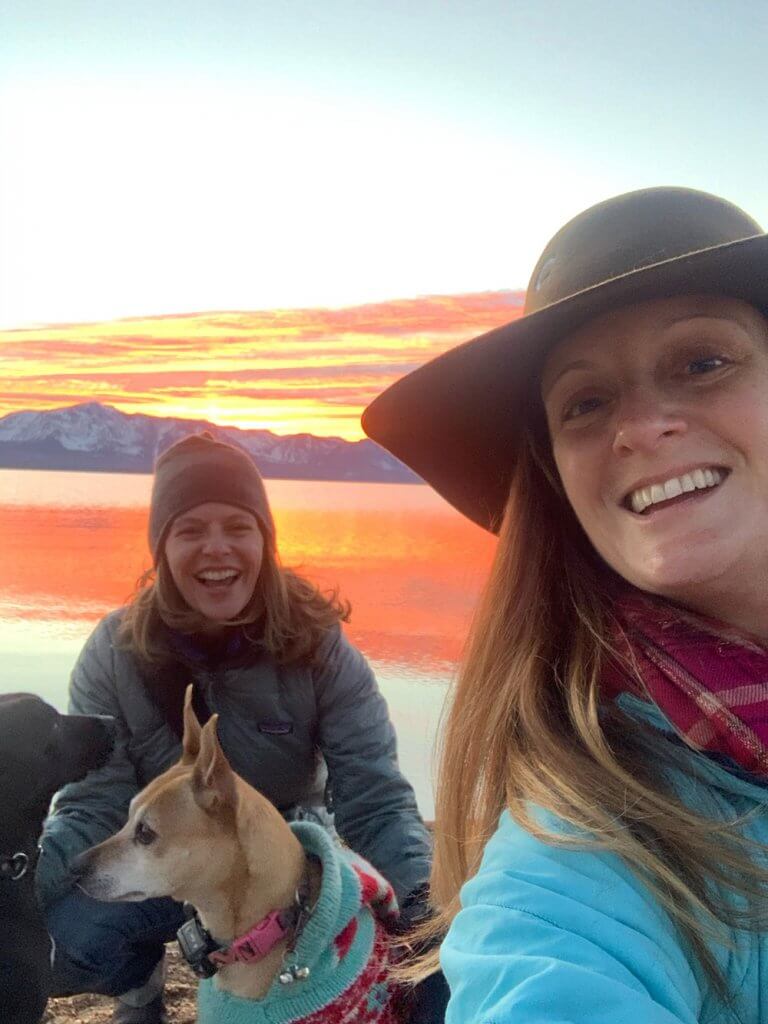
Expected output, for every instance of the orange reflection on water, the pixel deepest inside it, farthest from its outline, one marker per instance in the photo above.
(411, 566)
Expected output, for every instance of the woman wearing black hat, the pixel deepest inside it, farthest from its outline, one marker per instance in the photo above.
(300, 714)
(601, 849)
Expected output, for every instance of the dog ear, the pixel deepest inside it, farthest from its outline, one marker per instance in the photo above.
(191, 741)
(213, 781)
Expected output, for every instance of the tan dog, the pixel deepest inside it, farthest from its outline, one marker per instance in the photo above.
(200, 834)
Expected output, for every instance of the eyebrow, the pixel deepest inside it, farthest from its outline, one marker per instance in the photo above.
(576, 364)
(585, 364)
(195, 521)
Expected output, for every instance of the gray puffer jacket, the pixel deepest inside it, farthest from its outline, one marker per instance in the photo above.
(296, 733)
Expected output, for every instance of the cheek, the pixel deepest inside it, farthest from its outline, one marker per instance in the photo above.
(584, 478)
(577, 477)
(176, 558)
(255, 556)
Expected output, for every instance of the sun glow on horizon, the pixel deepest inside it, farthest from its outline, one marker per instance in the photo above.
(288, 371)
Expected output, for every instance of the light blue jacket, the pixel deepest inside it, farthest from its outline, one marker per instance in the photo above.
(564, 936)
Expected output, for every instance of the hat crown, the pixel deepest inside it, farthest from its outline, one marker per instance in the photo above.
(629, 232)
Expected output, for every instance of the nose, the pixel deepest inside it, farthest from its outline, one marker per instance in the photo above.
(645, 422)
(215, 542)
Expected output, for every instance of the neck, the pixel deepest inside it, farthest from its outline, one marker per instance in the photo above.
(266, 878)
(20, 831)
(743, 607)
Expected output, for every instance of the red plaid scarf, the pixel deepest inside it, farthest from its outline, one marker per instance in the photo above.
(709, 680)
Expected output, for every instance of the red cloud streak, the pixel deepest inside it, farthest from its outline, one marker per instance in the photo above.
(284, 370)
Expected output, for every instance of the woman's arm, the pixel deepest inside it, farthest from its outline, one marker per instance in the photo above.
(374, 805)
(86, 812)
(552, 934)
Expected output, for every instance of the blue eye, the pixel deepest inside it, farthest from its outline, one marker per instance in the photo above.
(699, 367)
(582, 407)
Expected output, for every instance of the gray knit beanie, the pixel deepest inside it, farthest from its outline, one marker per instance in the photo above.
(198, 469)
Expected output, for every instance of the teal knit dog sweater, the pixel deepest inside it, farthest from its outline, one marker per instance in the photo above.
(344, 944)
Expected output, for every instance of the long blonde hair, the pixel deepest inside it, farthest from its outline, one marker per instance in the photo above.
(287, 614)
(525, 724)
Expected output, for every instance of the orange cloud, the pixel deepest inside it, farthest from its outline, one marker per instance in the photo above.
(287, 371)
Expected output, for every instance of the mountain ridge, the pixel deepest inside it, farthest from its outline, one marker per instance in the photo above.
(97, 437)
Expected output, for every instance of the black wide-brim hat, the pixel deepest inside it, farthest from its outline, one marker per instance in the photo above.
(458, 421)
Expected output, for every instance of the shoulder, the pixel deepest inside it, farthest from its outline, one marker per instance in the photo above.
(103, 646)
(335, 649)
(565, 884)
(105, 632)
(339, 662)
(557, 921)
(550, 915)
(514, 859)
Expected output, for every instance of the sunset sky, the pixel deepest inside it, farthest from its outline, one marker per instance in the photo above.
(284, 370)
(308, 170)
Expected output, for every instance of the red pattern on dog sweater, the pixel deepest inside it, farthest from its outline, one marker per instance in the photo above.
(368, 1000)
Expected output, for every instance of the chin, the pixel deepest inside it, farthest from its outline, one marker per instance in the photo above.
(220, 613)
(683, 583)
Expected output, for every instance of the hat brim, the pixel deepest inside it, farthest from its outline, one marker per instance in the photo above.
(457, 421)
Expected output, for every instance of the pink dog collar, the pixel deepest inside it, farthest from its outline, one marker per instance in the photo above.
(255, 944)
(205, 955)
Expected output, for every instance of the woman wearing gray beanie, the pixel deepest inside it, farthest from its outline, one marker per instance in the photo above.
(300, 715)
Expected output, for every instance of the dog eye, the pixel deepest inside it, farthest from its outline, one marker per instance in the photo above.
(144, 834)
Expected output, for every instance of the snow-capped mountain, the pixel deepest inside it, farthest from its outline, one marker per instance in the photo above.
(92, 436)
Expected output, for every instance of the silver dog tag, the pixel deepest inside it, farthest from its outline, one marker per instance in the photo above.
(293, 973)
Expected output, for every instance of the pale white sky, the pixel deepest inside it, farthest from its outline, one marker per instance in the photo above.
(185, 156)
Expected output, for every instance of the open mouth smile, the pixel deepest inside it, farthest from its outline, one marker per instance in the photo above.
(217, 579)
(674, 490)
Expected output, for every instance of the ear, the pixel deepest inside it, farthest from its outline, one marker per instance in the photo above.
(213, 781)
(191, 741)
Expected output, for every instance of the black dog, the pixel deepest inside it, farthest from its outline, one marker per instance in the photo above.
(40, 751)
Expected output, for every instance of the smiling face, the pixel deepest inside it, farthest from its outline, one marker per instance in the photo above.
(658, 418)
(214, 553)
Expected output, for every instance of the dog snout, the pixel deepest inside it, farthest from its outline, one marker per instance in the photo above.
(82, 871)
(110, 724)
(80, 866)
(88, 740)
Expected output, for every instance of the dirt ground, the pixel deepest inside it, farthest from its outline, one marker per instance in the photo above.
(180, 996)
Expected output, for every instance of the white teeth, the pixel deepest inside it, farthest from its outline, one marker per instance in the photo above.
(672, 488)
(697, 479)
(657, 493)
(216, 576)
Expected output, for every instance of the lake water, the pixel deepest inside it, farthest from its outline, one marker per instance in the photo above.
(74, 544)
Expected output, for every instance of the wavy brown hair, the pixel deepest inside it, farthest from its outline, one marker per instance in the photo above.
(525, 725)
(287, 614)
